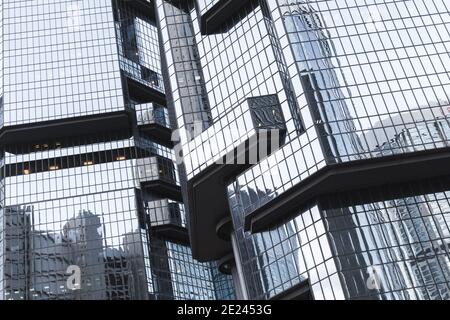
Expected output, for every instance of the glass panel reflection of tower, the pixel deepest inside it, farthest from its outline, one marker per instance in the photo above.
(85, 154)
(313, 51)
(354, 204)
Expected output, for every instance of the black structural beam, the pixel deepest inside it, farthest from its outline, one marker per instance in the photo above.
(172, 232)
(68, 127)
(208, 205)
(141, 92)
(143, 6)
(158, 133)
(164, 188)
(351, 176)
(208, 200)
(222, 12)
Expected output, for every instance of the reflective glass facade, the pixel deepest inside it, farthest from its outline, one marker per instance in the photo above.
(68, 64)
(355, 104)
(388, 249)
(362, 86)
(90, 202)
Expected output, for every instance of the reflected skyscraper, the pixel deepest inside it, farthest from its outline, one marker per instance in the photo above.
(353, 204)
(85, 242)
(86, 157)
(339, 110)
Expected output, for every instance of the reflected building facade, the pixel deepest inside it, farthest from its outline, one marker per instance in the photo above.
(353, 202)
(87, 174)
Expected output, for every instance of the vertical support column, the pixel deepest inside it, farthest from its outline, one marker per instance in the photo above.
(184, 75)
(237, 271)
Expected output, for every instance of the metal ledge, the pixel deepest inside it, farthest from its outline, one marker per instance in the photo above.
(68, 127)
(164, 188)
(301, 291)
(143, 6)
(142, 92)
(212, 21)
(158, 133)
(172, 232)
(351, 176)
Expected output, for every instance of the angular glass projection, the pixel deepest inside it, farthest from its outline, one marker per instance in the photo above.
(90, 199)
(358, 184)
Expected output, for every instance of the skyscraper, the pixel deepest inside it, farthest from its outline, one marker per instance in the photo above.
(352, 201)
(90, 200)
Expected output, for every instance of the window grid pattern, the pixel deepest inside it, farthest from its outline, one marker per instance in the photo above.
(245, 46)
(84, 216)
(139, 47)
(191, 280)
(205, 5)
(296, 252)
(399, 245)
(88, 215)
(393, 249)
(366, 80)
(68, 66)
(80, 201)
(185, 75)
